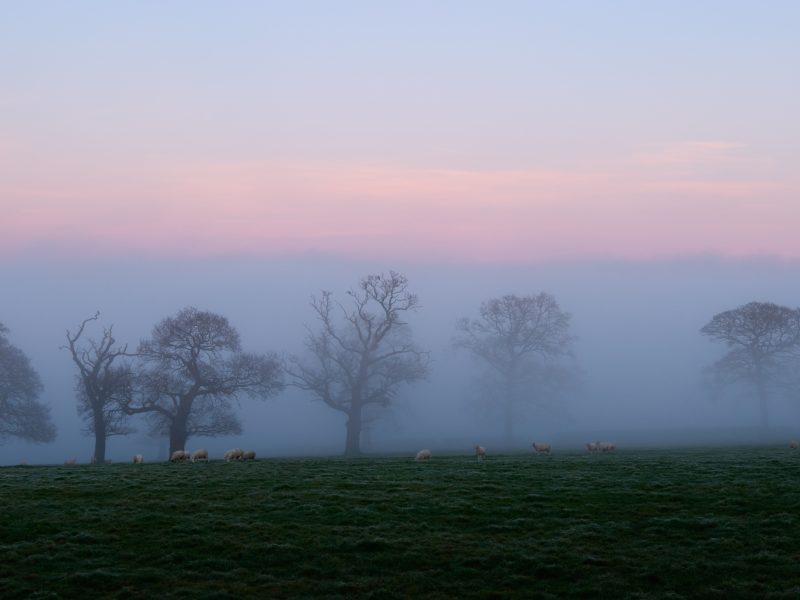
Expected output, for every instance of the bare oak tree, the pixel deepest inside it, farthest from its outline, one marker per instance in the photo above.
(364, 356)
(21, 414)
(760, 337)
(103, 385)
(522, 340)
(194, 371)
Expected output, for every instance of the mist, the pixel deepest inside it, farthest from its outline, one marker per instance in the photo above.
(638, 347)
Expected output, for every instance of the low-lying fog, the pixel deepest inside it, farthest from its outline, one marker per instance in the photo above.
(638, 347)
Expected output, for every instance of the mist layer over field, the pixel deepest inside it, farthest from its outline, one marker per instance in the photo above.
(638, 348)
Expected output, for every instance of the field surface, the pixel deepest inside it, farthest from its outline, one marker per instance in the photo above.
(704, 523)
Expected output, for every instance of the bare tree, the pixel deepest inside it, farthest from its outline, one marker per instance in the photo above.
(523, 341)
(362, 358)
(760, 337)
(21, 414)
(102, 387)
(194, 370)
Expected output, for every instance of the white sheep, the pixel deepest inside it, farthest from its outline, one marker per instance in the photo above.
(593, 446)
(424, 455)
(607, 447)
(233, 454)
(249, 455)
(201, 454)
(179, 456)
(541, 448)
(480, 452)
(138, 459)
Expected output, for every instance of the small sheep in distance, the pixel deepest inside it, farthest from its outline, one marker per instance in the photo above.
(249, 455)
(179, 456)
(201, 454)
(233, 454)
(480, 452)
(70, 461)
(138, 459)
(423, 455)
(541, 448)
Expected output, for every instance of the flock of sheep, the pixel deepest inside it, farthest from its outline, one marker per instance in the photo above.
(202, 454)
(480, 453)
(539, 448)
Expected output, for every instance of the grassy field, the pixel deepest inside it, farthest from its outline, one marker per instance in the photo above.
(704, 523)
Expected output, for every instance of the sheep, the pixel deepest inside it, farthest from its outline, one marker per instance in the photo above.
(794, 444)
(423, 455)
(541, 448)
(480, 452)
(249, 455)
(179, 456)
(70, 461)
(233, 454)
(201, 454)
(593, 446)
(138, 459)
(607, 447)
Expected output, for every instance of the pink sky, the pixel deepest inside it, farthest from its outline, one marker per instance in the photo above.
(695, 197)
(415, 131)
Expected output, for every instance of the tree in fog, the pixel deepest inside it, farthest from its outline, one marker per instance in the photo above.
(103, 386)
(21, 414)
(363, 352)
(523, 341)
(192, 374)
(760, 337)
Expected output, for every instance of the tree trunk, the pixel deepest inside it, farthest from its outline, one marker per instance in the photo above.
(763, 400)
(508, 429)
(352, 445)
(177, 436)
(99, 437)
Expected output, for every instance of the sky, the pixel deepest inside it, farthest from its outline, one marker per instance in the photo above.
(637, 160)
(460, 132)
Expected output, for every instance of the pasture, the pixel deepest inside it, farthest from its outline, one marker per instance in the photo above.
(695, 523)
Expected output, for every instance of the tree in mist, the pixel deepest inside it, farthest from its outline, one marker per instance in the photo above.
(21, 414)
(363, 352)
(761, 337)
(523, 341)
(104, 385)
(193, 372)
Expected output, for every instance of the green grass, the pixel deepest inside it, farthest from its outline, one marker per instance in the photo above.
(706, 523)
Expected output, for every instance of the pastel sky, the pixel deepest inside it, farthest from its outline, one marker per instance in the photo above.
(417, 130)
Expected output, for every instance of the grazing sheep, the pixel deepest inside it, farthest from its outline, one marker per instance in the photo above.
(794, 444)
(179, 456)
(249, 455)
(480, 452)
(233, 454)
(541, 448)
(607, 447)
(423, 455)
(138, 459)
(70, 461)
(593, 446)
(201, 454)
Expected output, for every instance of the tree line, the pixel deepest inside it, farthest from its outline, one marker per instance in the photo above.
(187, 379)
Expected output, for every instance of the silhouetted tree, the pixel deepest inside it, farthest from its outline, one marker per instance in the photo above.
(761, 336)
(523, 341)
(193, 371)
(102, 387)
(363, 357)
(21, 414)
